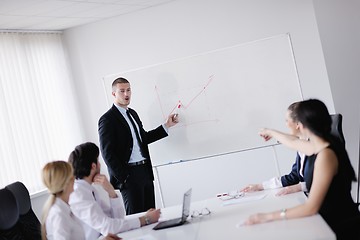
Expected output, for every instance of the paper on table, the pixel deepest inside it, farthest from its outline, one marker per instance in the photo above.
(243, 199)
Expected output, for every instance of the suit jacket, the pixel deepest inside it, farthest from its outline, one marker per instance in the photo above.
(294, 176)
(116, 143)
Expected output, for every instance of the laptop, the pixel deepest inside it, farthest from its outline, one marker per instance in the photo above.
(181, 220)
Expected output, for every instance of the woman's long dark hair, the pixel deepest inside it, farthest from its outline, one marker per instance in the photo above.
(314, 115)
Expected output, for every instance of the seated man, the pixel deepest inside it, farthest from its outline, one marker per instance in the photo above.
(99, 213)
(294, 181)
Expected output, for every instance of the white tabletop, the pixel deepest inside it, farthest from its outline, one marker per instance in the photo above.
(223, 220)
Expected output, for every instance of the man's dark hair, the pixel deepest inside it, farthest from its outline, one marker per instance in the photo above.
(119, 80)
(82, 158)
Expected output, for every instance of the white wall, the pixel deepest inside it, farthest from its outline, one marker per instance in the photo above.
(38, 201)
(188, 27)
(339, 27)
(183, 28)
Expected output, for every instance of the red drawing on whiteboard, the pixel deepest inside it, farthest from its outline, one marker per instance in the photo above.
(180, 105)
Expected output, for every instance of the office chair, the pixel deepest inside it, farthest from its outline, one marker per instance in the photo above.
(336, 130)
(9, 212)
(336, 127)
(9, 216)
(28, 223)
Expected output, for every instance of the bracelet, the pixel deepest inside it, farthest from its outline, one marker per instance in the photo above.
(147, 220)
(283, 214)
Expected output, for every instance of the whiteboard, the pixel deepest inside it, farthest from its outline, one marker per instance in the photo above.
(225, 97)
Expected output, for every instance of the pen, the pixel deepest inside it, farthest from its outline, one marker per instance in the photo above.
(176, 113)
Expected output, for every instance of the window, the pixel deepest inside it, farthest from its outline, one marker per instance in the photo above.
(39, 121)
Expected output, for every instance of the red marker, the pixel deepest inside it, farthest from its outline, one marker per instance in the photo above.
(176, 111)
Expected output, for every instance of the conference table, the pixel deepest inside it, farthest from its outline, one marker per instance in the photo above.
(224, 221)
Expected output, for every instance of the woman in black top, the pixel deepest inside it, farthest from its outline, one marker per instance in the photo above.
(329, 182)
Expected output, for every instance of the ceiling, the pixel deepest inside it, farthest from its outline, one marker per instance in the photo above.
(63, 14)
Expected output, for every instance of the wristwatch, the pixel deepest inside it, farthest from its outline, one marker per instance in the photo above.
(283, 214)
(147, 220)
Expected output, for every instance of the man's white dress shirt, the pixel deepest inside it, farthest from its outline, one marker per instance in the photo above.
(135, 153)
(99, 214)
(276, 181)
(61, 224)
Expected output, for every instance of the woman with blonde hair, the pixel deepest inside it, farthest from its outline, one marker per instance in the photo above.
(58, 220)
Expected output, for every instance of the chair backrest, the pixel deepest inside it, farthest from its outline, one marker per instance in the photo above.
(29, 224)
(22, 196)
(336, 127)
(9, 211)
(9, 217)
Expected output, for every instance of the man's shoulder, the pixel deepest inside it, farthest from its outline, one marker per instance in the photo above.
(109, 114)
(109, 111)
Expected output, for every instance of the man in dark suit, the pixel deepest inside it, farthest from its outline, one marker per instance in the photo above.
(124, 148)
(294, 181)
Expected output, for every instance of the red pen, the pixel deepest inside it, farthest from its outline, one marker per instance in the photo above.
(176, 111)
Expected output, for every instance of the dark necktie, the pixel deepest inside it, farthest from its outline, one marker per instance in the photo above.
(135, 128)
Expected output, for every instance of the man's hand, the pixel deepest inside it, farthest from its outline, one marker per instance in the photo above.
(111, 236)
(102, 180)
(252, 188)
(152, 215)
(172, 120)
(289, 189)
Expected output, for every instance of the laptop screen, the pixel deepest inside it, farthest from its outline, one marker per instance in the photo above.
(186, 205)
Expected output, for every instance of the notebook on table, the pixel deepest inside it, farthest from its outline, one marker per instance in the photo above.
(184, 214)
